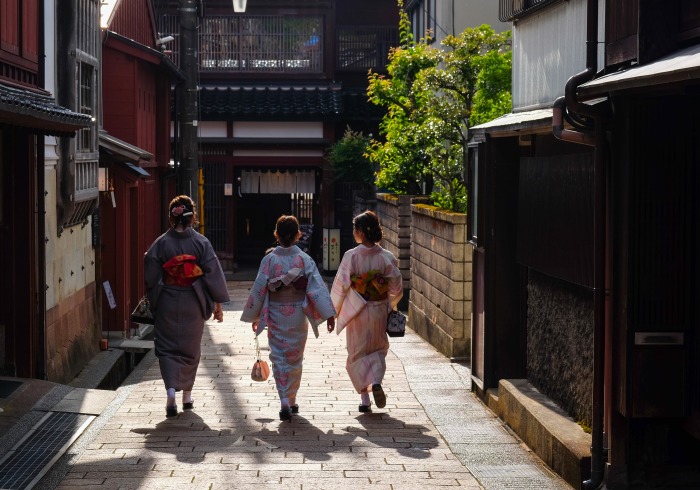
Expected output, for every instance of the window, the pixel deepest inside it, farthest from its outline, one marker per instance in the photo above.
(422, 14)
(85, 141)
(475, 179)
(79, 89)
(362, 48)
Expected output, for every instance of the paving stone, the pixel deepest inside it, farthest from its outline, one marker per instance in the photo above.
(433, 430)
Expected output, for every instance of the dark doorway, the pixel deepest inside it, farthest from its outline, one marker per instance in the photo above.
(256, 216)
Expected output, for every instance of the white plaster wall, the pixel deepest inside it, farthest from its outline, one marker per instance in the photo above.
(549, 47)
(70, 259)
(453, 16)
(249, 129)
(277, 153)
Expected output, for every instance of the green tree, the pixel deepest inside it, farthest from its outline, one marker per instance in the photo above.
(348, 158)
(432, 96)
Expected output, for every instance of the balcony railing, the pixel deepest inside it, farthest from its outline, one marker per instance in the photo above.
(254, 43)
(281, 44)
(509, 10)
(361, 48)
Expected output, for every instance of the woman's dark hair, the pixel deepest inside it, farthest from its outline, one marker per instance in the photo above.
(182, 211)
(368, 223)
(287, 230)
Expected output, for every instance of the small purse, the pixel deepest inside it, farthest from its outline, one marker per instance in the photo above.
(396, 324)
(142, 313)
(260, 371)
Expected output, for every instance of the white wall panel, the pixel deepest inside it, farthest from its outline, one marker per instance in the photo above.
(247, 129)
(211, 129)
(548, 48)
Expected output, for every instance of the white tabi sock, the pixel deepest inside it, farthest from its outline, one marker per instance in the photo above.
(186, 397)
(365, 398)
(171, 397)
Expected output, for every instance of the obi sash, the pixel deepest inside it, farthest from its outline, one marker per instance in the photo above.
(181, 270)
(372, 285)
(288, 287)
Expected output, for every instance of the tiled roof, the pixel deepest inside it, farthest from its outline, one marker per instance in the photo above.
(24, 108)
(284, 102)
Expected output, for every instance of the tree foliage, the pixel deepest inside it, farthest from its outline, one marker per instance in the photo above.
(348, 158)
(432, 96)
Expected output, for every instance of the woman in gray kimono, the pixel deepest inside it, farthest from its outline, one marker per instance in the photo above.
(185, 286)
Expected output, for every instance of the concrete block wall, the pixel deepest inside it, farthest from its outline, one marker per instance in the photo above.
(395, 217)
(441, 280)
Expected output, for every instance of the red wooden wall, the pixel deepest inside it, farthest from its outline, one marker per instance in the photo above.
(19, 41)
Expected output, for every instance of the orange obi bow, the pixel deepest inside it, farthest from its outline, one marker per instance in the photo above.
(181, 270)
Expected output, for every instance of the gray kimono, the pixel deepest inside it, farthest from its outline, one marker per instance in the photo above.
(180, 310)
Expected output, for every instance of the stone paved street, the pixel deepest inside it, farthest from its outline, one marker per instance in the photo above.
(433, 431)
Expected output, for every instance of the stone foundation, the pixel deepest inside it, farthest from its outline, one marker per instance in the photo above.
(72, 335)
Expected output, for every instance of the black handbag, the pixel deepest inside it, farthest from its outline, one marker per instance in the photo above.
(142, 313)
(396, 324)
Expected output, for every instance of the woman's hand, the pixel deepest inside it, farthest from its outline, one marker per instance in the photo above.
(255, 326)
(330, 324)
(218, 312)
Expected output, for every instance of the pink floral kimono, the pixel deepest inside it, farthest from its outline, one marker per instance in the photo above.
(287, 294)
(367, 286)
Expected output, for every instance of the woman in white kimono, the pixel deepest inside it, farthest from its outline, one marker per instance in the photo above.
(185, 286)
(287, 294)
(366, 288)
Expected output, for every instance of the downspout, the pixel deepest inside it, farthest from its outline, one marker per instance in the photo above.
(596, 139)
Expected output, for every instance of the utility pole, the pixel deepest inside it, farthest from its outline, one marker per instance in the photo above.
(188, 110)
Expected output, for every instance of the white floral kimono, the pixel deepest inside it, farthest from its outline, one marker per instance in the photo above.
(287, 295)
(367, 286)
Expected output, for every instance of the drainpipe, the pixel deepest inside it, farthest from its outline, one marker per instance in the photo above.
(597, 139)
(580, 137)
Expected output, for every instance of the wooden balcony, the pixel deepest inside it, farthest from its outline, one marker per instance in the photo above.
(275, 44)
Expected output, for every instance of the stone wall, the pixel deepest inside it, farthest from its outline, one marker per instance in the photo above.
(72, 336)
(560, 343)
(440, 305)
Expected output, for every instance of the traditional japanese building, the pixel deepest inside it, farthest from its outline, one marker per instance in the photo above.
(48, 326)
(278, 84)
(584, 225)
(135, 153)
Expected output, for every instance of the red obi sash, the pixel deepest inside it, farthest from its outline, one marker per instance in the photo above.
(181, 270)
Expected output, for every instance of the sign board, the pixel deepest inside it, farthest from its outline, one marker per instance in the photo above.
(228, 189)
(110, 295)
(96, 227)
(331, 249)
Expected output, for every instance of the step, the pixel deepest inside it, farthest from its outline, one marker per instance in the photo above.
(546, 429)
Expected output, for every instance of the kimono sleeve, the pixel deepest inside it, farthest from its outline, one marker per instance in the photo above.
(341, 283)
(346, 309)
(393, 274)
(214, 279)
(318, 305)
(153, 273)
(258, 294)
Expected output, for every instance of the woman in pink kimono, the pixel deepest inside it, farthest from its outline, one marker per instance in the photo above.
(185, 286)
(287, 294)
(366, 288)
